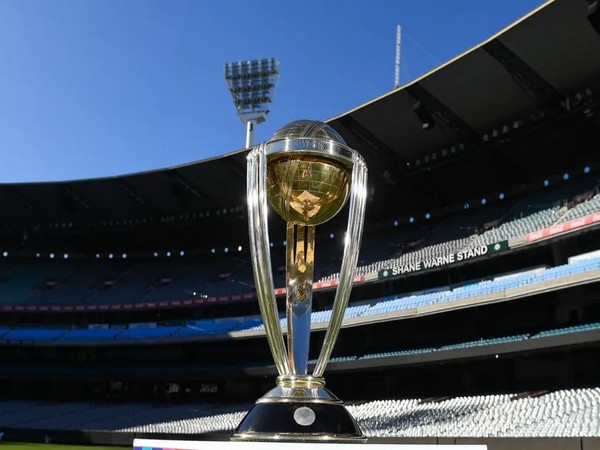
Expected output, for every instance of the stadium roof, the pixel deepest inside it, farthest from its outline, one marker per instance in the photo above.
(540, 71)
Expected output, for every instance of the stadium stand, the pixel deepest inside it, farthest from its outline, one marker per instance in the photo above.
(536, 212)
(126, 306)
(77, 282)
(563, 413)
(387, 305)
(556, 414)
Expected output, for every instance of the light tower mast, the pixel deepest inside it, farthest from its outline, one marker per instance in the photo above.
(252, 84)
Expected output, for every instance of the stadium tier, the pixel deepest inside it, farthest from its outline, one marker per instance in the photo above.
(564, 413)
(128, 305)
(505, 287)
(129, 283)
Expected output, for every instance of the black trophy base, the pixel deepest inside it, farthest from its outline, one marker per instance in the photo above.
(298, 421)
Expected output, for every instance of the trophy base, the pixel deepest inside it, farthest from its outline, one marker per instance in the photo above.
(290, 415)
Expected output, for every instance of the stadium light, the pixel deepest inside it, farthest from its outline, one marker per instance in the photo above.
(251, 84)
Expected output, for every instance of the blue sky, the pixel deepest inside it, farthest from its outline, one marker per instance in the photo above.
(95, 88)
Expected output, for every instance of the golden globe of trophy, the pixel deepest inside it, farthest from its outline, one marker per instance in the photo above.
(307, 173)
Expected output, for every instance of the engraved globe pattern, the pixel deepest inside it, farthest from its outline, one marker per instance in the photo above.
(307, 188)
(308, 129)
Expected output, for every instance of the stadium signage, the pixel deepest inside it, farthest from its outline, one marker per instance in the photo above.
(451, 258)
(563, 227)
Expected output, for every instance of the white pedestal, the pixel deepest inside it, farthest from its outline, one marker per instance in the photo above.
(158, 444)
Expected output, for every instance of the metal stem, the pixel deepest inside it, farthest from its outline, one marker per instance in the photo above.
(299, 278)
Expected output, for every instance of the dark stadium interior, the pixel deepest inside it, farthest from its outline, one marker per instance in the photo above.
(503, 136)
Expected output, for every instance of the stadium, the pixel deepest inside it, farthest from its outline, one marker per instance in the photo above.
(128, 306)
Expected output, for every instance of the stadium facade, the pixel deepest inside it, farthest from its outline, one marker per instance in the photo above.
(478, 275)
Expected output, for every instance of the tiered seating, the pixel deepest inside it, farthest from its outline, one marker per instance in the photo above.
(181, 281)
(217, 326)
(157, 333)
(120, 281)
(519, 227)
(410, 301)
(59, 281)
(211, 419)
(567, 330)
(506, 230)
(583, 209)
(386, 305)
(17, 409)
(77, 287)
(87, 416)
(537, 212)
(91, 334)
(34, 334)
(149, 332)
(478, 343)
(434, 251)
(483, 342)
(558, 414)
(564, 413)
(21, 280)
(396, 353)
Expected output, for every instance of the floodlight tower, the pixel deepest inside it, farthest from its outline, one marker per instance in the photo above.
(252, 84)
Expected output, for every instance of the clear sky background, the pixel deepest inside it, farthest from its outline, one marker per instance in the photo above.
(95, 88)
